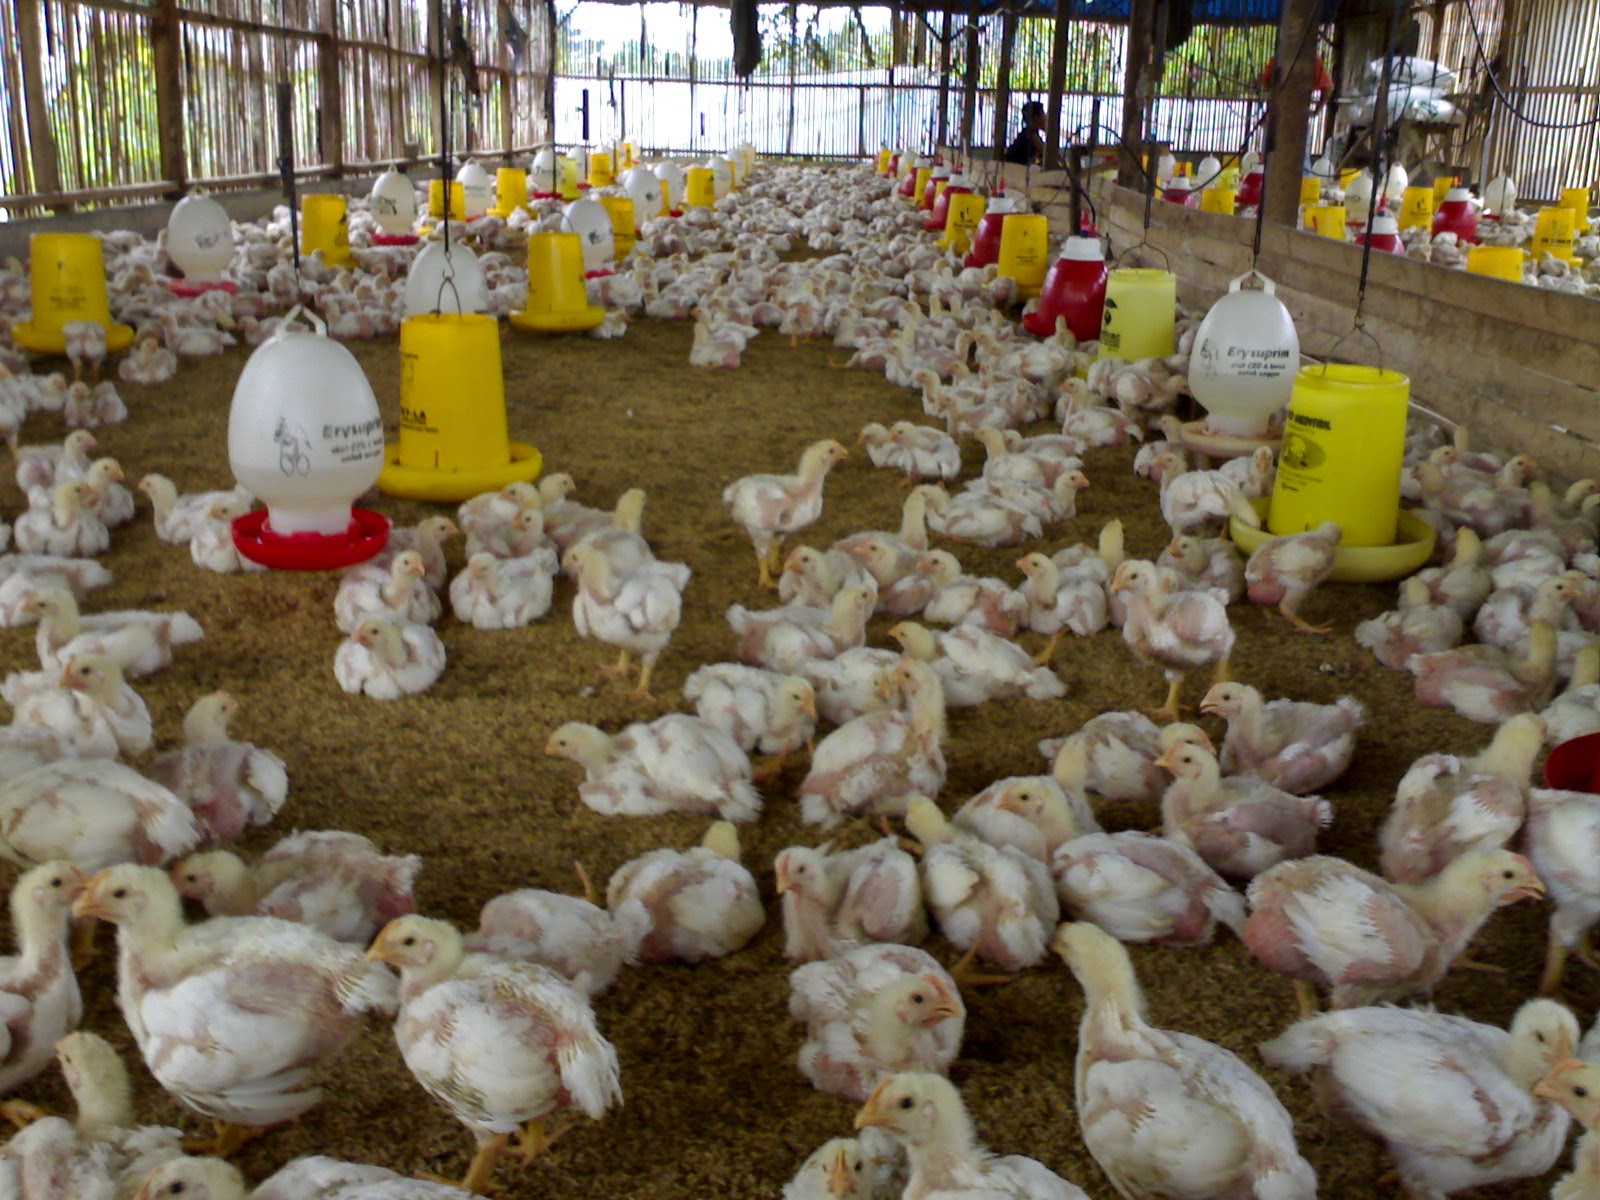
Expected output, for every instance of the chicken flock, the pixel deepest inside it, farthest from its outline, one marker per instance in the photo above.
(239, 1014)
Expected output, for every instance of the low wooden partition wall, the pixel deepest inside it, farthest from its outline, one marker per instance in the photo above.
(1518, 365)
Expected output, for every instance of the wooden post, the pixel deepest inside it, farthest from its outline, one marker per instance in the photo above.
(41, 142)
(1135, 91)
(1002, 83)
(508, 82)
(944, 80)
(1294, 75)
(969, 82)
(1058, 83)
(330, 104)
(166, 40)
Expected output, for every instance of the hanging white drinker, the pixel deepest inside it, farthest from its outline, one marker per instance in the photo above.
(1246, 353)
(592, 223)
(446, 281)
(200, 239)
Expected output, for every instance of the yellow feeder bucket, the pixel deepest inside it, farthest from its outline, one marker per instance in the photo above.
(67, 274)
(567, 177)
(510, 191)
(624, 231)
(961, 221)
(1577, 199)
(1025, 251)
(630, 155)
(325, 226)
(921, 182)
(883, 160)
(1219, 199)
(1343, 442)
(436, 194)
(700, 188)
(1327, 220)
(1496, 262)
(557, 300)
(453, 442)
(600, 173)
(1310, 190)
(1141, 314)
(1441, 187)
(666, 197)
(1416, 208)
(1553, 231)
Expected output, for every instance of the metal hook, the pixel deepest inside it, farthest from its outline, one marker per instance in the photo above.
(1144, 244)
(1358, 328)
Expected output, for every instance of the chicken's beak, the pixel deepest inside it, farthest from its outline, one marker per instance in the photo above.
(450, 529)
(1119, 581)
(841, 1179)
(808, 705)
(782, 877)
(77, 881)
(1563, 1048)
(30, 605)
(379, 950)
(1211, 703)
(1173, 548)
(1168, 761)
(88, 903)
(871, 1116)
(550, 747)
(68, 679)
(940, 1010)
(884, 687)
(144, 1192)
(1533, 889)
(1549, 1088)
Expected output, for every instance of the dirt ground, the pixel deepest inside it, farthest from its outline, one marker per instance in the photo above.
(715, 1106)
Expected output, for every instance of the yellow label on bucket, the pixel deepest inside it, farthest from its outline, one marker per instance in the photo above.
(1553, 231)
(1416, 208)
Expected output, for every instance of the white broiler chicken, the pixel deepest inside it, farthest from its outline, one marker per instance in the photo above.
(636, 612)
(397, 593)
(111, 502)
(88, 407)
(502, 1045)
(1174, 630)
(64, 462)
(1284, 571)
(232, 1016)
(847, 687)
(1416, 626)
(1563, 843)
(94, 812)
(1203, 563)
(1140, 888)
(993, 903)
(229, 785)
(1164, 1113)
(1446, 806)
(761, 710)
(872, 765)
(834, 900)
(1033, 813)
(871, 1011)
(1575, 712)
(1297, 746)
(385, 660)
(1120, 751)
(427, 538)
(335, 882)
(1058, 603)
(770, 507)
(676, 763)
(786, 639)
(572, 935)
(504, 593)
(687, 905)
(64, 526)
(312, 1177)
(1575, 1085)
(1451, 1099)
(93, 710)
(975, 665)
(870, 1167)
(139, 642)
(23, 575)
(38, 990)
(149, 363)
(212, 546)
(811, 578)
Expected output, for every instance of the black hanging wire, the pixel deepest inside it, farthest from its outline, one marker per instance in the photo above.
(447, 121)
(1499, 93)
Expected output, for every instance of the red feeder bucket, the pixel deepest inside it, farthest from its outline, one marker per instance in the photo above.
(908, 185)
(894, 165)
(940, 216)
(1075, 289)
(1455, 216)
(1574, 766)
(1385, 235)
(986, 242)
(939, 174)
(1250, 189)
(1179, 192)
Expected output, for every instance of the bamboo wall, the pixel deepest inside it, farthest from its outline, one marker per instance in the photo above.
(110, 100)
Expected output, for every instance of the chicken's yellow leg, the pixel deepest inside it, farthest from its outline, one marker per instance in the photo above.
(619, 669)
(641, 693)
(1306, 996)
(227, 1140)
(1287, 608)
(588, 884)
(966, 975)
(1044, 656)
(764, 561)
(1171, 710)
(1555, 961)
(22, 1114)
(482, 1168)
(534, 1139)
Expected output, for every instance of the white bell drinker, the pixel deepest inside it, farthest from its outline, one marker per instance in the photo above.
(1395, 183)
(1166, 168)
(200, 239)
(1249, 162)
(1207, 171)
(592, 223)
(1358, 196)
(544, 173)
(1325, 168)
(394, 203)
(1245, 357)
(446, 281)
(304, 432)
(477, 189)
(721, 176)
(1501, 195)
(672, 179)
(644, 189)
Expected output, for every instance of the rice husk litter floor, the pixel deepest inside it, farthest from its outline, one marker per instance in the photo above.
(714, 1103)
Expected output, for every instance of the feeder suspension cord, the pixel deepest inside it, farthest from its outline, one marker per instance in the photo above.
(1505, 101)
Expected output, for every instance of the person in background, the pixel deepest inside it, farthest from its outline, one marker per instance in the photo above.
(1028, 146)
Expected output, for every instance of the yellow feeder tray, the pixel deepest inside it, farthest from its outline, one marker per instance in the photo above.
(67, 274)
(511, 191)
(453, 443)
(557, 302)
(1412, 549)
